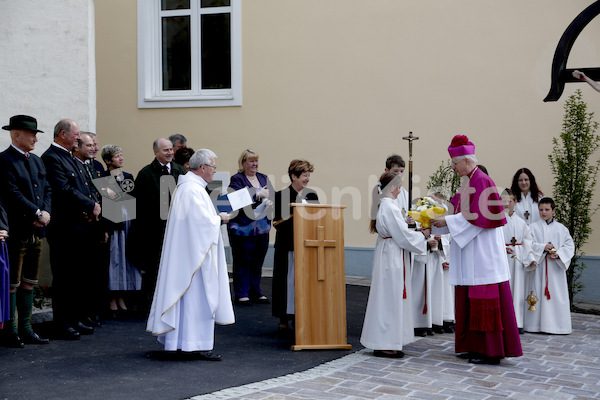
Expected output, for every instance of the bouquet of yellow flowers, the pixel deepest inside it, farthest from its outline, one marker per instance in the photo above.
(425, 210)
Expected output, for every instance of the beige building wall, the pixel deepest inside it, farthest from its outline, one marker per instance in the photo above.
(339, 82)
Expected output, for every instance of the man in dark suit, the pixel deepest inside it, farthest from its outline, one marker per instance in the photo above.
(26, 199)
(75, 208)
(152, 205)
(96, 273)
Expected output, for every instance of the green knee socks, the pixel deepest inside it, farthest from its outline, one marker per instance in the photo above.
(25, 306)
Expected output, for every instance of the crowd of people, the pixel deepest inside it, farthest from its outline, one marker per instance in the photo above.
(485, 271)
(471, 273)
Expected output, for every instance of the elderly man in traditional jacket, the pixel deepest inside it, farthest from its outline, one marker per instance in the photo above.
(192, 289)
(486, 327)
(26, 198)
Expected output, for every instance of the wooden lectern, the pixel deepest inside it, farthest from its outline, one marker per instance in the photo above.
(320, 279)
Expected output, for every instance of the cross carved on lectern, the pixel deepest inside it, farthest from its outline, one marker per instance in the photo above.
(320, 243)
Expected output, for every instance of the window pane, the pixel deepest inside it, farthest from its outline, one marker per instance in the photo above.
(216, 51)
(176, 59)
(214, 3)
(175, 4)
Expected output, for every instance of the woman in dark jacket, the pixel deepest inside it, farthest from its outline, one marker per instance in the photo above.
(249, 231)
(283, 269)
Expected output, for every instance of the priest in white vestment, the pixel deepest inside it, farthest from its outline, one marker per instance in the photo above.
(192, 290)
(388, 324)
(553, 249)
(486, 329)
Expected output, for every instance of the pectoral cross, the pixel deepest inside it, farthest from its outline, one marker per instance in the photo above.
(513, 241)
(526, 215)
(320, 244)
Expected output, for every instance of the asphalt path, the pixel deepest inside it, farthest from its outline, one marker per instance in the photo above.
(121, 361)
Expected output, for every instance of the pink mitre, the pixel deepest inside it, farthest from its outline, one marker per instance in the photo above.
(461, 146)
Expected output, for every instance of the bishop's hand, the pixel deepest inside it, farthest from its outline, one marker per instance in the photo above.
(438, 222)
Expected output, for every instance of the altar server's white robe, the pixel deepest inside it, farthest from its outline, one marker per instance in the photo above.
(388, 321)
(531, 207)
(517, 228)
(427, 289)
(192, 289)
(552, 315)
(447, 288)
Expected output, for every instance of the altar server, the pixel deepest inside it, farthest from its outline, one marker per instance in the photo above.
(388, 324)
(553, 249)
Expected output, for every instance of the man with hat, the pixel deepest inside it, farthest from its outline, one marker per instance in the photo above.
(486, 328)
(75, 210)
(26, 199)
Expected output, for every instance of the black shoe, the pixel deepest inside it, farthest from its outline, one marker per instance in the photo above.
(262, 300)
(92, 322)
(521, 331)
(448, 329)
(420, 332)
(243, 302)
(381, 353)
(84, 329)
(429, 332)
(438, 329)
(485, 360)
(468, 355)
(285, 333)
(12, 340)
(33, 338)
(66, 332)
(206, 356)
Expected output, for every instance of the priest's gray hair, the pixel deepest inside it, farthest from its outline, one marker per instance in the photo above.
(202, 156)
(468, 157)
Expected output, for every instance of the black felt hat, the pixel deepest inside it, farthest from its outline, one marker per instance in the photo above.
(22, 122)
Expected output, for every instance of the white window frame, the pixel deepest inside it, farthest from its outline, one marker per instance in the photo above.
(150, 94)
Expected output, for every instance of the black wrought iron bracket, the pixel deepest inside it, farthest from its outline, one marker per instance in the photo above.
(560, 73)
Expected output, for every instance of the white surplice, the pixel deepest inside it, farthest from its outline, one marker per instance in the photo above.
(388, 321)
(478, 255)
(528, 205)
(551, 315)
(522, 256)
(427, 289)
(192, 289)
(447, 289)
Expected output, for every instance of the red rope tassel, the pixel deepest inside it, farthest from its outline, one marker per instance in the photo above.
(547, 292)
(404, 274)
(425, 287)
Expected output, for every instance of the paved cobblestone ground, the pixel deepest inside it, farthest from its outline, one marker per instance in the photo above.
(553, 367)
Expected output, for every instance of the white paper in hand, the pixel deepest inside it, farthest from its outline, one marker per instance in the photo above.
(239, 199)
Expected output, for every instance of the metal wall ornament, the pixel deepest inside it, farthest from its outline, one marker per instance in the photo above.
(560, 73)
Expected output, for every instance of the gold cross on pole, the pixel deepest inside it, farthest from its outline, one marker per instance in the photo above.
(410, 139)
(320, 243)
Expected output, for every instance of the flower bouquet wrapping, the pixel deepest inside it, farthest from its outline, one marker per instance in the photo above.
(425, 210)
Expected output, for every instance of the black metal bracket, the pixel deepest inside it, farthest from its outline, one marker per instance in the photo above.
(560, 73)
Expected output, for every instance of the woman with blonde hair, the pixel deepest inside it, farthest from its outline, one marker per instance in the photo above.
(249, 231)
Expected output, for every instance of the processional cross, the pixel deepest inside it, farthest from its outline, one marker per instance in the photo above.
(410, 139)
(320, 244)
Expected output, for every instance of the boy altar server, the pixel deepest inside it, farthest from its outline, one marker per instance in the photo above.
(553, 249)
(192, 290)
(518, 240)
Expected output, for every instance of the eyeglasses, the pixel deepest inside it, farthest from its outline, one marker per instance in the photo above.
(453, 164)
(212, 166)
